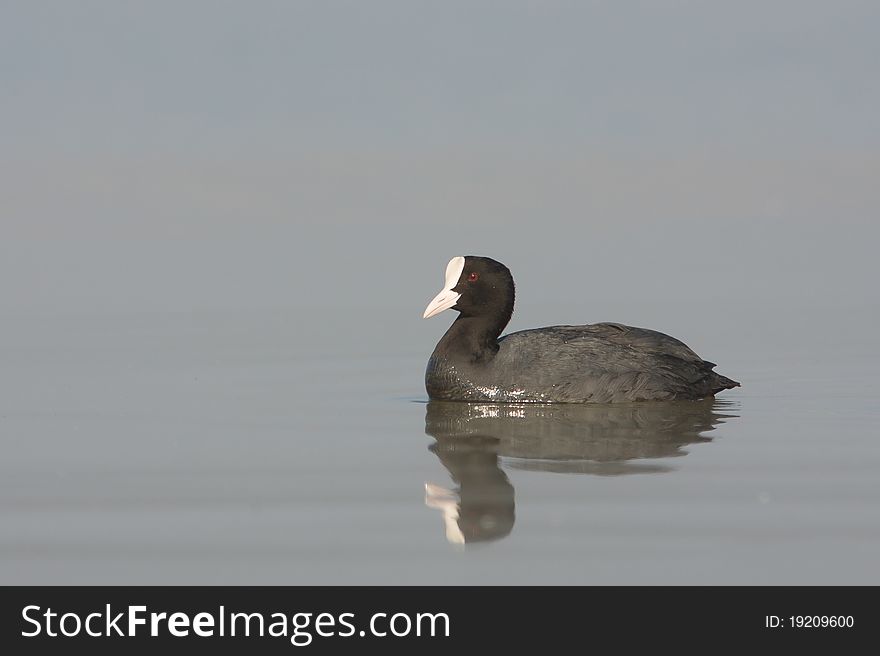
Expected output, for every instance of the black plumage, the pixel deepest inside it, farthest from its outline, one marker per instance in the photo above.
(597, 363)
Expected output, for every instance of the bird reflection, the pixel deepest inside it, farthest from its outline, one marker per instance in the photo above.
(474, 440)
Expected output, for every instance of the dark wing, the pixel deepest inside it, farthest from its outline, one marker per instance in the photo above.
(609, 362)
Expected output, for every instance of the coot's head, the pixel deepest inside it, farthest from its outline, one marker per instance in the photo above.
(476, 287)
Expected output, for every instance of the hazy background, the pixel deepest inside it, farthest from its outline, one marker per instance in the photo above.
(177, 155)
(220, 223)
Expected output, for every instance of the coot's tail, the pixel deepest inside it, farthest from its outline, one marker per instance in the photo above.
(719, 383)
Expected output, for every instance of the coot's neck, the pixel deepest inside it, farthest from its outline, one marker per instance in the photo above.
(472, 338)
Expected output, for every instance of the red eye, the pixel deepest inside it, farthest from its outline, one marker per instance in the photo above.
(472, 276)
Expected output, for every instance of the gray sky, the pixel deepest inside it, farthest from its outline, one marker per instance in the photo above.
(168, 155)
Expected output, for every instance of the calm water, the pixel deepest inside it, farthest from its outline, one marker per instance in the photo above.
(293, 446)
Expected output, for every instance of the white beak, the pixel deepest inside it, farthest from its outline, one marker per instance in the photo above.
(446, 298)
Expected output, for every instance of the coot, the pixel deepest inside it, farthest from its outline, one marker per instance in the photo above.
(596, 363)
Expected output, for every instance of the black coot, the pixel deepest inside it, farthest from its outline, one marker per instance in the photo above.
(597, 363)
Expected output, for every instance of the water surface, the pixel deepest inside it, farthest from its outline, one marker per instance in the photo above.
(253, 447)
